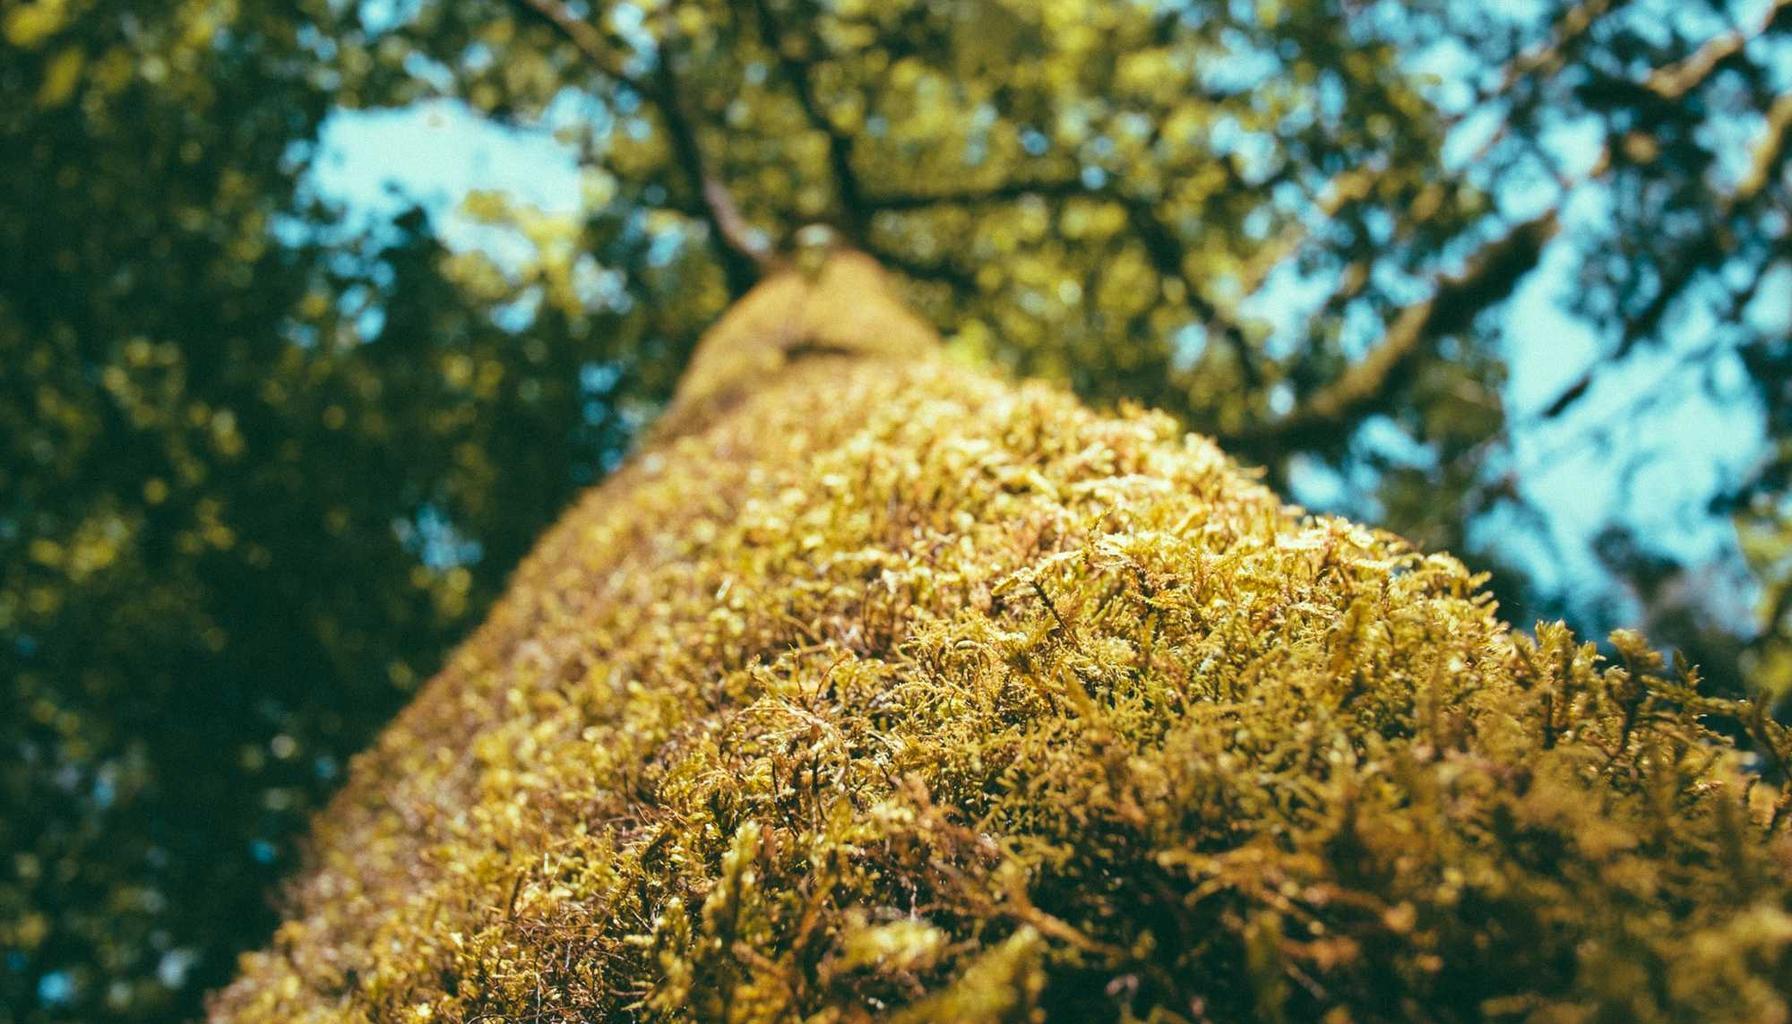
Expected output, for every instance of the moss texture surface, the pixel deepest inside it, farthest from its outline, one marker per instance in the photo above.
(880, 689)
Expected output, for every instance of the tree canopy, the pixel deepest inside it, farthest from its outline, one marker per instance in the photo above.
(261, 469)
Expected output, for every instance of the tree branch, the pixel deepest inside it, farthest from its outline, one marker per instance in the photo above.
(854, 214)
(1676, 80)
(959, 279)
(1164, 250)
(1712, 246)
(743, 254)
(1568, 31)
(1490, 276)
(583, 36)
(1347, 187)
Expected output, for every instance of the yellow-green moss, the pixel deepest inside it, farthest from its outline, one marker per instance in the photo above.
(895, 691)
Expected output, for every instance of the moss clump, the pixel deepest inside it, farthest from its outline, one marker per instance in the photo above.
(893, 691)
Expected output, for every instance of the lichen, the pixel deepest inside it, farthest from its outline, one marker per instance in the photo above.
(899, 691)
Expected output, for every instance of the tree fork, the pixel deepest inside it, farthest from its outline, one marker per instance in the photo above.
(829, 302)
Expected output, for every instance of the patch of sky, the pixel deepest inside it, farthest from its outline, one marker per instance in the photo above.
(599, 378)
(437, 75)
(1360, 331)
(433, 537)
(57, 988)
(629, 21)
(1770, 312)
(1387, 443)
(1331, 95)
(317, 43)
(172, 968)
(379, 17)
(1448, 67)
(664, 247)
(1286, 302)
(1469, 137)
(1317, 485)
(1652, 468)
(376, 163)
(976, 144)
(1281, 398)
(1774, 53)
(1648, 447)
(516, 315)
(1242, 65)
(105, 788)
(1187, 344)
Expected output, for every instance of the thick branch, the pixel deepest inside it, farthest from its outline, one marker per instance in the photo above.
(1491, 275)
(1164, 250)
(583, 36)
(844, 308)
(1568, 31)
(1768, 154)
(1677, 80)
(1347, 187)
(945, 273)
(854, 214)
(1006, 192)
(743, 255)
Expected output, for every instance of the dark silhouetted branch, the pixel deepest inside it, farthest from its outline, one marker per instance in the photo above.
(1710, 247)
(958, 278)
(744, 255)
(583, 36)
(855, 216)
(1005, 192)
(1369, 385)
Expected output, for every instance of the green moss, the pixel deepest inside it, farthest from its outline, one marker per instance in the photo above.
(894, 690)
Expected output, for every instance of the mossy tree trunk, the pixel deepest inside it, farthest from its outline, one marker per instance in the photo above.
(877, 688)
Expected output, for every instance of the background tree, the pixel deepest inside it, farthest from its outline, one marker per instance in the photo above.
(260, 467)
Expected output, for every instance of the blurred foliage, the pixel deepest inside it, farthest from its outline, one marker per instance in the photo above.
(259, 468)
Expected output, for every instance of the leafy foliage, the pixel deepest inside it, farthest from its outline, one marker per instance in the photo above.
(239, 510)
(895, 692)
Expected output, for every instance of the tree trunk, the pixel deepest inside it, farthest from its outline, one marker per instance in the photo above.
(877, 687)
